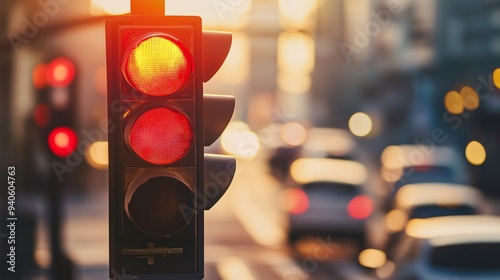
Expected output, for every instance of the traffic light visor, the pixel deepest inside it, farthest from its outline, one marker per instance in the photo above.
(161, 135)
(158, 65)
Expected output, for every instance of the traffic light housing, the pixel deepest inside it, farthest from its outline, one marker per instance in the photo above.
(156, 66)
(54, 112)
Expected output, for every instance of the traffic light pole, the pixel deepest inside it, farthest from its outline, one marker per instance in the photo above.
(61, 266)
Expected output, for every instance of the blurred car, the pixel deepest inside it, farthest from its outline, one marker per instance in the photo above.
(328, 196)
(427, 200)
(320, 143)
(411, 164)
(454, 247)
(332, 143)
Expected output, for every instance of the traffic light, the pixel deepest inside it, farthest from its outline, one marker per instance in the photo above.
(54, 113)
(55, 117)
(160, 181)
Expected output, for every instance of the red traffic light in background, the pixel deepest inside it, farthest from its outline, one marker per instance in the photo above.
(62, 141)
(55, 103)
(160, 179)
(60, 72)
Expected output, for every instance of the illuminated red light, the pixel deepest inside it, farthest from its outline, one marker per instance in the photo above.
(296, 201)
(60, 72)
(158, 65)
(161, 136)
(62, 141)
(360, 207)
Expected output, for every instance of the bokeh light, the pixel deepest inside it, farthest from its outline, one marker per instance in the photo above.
(386, 270)
(293, 134)
(295, 52)
(295, 62)
(475, 153)
(295, 83)
(97, 155)
(297, 14)
(453, 103)
(470, 98)
(372, 258)
(393, 157)
(395, 220)
(305, 170)
(496, 77)
(295, 201)
(391, 175)
(360, 124)
(239, 141)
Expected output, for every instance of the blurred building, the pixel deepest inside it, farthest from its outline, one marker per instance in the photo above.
(397, 60)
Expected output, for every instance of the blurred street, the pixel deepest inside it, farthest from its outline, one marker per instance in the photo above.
(243, 239)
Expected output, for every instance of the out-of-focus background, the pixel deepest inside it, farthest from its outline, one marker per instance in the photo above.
(367, 135)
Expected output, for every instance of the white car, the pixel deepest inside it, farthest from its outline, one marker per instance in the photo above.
(412, 164)
(427, 200)
(453, 247)
(319, 143)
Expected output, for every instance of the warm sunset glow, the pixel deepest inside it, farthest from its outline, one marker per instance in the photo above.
(295, 83)
(236, 67)
(114, 7)
(295, 52)
(297, 14)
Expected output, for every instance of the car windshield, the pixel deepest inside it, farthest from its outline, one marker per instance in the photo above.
(470, 256)
(336, 188)
(428, 211)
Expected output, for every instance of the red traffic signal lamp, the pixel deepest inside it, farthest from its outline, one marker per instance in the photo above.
(54, 114)
(160, 122)
(62, 141)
